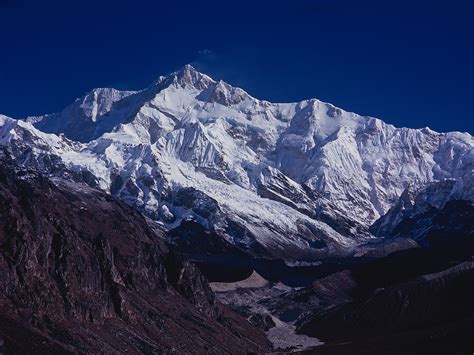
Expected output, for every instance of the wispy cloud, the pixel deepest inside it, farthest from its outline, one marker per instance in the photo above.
(205, 57)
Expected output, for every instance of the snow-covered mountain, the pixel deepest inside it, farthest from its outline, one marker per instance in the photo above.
(418, 213)
(302, 179)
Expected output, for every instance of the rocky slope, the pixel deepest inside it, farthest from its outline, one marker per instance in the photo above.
(395, 296)
(83, 273)
(403, 301)
(442, 207)
(238, 161)
(417, 316)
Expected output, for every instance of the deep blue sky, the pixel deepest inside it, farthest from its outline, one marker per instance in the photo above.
(410, 63)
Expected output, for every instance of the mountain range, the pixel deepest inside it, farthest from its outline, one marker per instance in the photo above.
(191, 217)
(302, 180)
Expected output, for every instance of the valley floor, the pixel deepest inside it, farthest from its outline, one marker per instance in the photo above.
(255, 297)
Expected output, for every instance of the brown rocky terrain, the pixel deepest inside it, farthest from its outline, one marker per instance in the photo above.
(83, 273)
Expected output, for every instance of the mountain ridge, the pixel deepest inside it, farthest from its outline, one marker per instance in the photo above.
(314, 165)
(84, 273)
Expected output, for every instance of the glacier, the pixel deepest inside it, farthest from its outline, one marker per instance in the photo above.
(301, 180)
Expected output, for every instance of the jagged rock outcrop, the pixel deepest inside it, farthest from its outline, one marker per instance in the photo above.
(83, 273)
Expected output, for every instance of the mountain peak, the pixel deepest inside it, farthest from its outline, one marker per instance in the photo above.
(189, 76)
(190, 131)
(189, 68)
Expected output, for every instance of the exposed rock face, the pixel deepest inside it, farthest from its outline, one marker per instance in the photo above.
(437, 211)
(82, 272)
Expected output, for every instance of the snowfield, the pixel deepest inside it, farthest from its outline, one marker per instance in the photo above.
(305, 179)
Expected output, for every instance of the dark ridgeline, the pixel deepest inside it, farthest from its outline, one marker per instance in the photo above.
(412, 301)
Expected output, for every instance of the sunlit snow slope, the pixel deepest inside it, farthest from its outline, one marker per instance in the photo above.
(293, 179)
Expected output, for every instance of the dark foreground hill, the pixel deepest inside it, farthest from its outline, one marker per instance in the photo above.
(83, 273)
